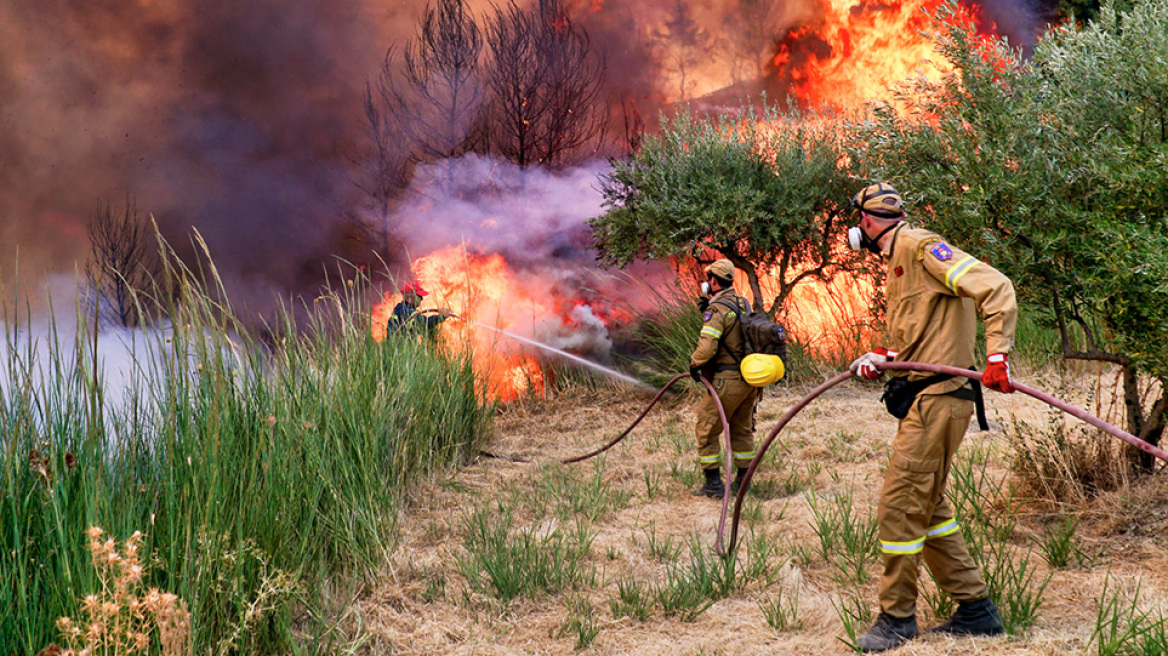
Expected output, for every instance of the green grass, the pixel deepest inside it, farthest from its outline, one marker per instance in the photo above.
(633, 600)
(1123, 628)
(852, 610)
(847, 539)
(781, 610)
(661, 548)
(1058, 541)
(510, 562)
(987, 509)
(573, 492)
(264, 467)
(580, 623)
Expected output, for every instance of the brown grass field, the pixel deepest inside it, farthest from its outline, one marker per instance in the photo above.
(425, 605)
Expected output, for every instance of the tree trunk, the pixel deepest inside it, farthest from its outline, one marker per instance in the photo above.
(1154, 424)
(1149, 428)
(751, 276)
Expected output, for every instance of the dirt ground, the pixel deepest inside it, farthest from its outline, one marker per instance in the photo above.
(839, 445)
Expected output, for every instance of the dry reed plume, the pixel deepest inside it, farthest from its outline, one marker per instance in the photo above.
(122, 619)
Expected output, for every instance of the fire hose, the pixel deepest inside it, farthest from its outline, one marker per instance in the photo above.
(815, 393)
(725, 443)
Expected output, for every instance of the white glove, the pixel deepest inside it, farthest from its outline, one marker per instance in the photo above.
(865, 365)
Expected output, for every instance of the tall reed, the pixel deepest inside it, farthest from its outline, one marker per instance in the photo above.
(264, 466)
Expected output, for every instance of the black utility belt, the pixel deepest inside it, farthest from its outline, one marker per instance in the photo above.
(964, 393)
(900, 393)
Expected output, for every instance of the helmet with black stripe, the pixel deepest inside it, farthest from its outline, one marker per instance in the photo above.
(880, 200)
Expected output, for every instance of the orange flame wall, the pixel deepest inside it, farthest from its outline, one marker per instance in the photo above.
(855, 50)
(829, 318)
(484, 289)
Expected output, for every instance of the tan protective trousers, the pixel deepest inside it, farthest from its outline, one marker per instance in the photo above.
(738, 400)
(915, 519)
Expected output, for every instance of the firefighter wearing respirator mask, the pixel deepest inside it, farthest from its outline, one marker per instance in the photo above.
(934, 293)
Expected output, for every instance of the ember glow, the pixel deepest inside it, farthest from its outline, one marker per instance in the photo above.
(827, 317)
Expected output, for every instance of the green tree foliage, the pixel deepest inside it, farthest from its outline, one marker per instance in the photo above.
(764, 191)
(1053, 169)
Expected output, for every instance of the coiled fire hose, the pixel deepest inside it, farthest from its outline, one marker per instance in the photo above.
(760, 452)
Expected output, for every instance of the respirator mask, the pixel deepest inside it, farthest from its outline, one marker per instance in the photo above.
(706, 290)
(858, 239)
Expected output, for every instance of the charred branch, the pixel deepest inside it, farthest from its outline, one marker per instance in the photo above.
(546, 81)
(123, 264)
(433, 98)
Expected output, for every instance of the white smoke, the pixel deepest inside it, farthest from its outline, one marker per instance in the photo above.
(583, 333)
(531, 215)
(538, 221)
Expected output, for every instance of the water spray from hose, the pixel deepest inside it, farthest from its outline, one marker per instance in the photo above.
(613, 373)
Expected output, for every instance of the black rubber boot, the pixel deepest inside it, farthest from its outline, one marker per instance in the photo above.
(713, 487)
(738, 480)
(887, 632)
(973, 618)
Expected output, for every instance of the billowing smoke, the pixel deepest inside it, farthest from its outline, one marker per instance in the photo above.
(589, 334)
(242, 120)
(537, 221)
(232, 118)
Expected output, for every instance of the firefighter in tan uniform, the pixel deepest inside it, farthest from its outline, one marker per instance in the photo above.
(720, 349)
(934, 292)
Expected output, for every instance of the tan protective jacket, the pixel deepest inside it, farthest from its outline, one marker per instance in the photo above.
(720, 342)
(932, 290)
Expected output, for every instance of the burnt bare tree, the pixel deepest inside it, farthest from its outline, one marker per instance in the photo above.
(684, 43)
(634, 127)
(123, 264)
(752, 38)
(384, 172)
(425, 102)
(433, 99)
(547, 81)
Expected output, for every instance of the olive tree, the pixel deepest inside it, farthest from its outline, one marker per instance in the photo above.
(1053, 169)
(766, 191)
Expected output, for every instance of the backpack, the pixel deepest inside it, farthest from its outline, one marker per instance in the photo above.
(760, 334)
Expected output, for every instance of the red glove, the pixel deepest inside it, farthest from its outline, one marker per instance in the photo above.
(865, 365)
(997, 374)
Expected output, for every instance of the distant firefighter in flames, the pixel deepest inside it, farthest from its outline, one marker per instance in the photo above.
(721, 347)
(407, 319)
(933, 290)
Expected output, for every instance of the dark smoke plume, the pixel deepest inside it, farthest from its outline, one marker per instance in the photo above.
(223, 116)
(240, 119)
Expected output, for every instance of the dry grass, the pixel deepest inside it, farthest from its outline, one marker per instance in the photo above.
(425, 606)
(121, 618)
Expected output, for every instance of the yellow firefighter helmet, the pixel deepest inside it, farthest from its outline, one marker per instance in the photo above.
(761, 369)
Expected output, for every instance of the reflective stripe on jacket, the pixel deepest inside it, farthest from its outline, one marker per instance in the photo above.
(934, 293)
(720, 340)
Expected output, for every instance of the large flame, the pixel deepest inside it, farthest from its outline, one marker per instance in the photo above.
(829, 317)
(852, 52)
(858, 49)
(483, 289)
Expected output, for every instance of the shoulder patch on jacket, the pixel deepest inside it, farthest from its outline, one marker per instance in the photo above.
(941, 251)
(708, 315)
